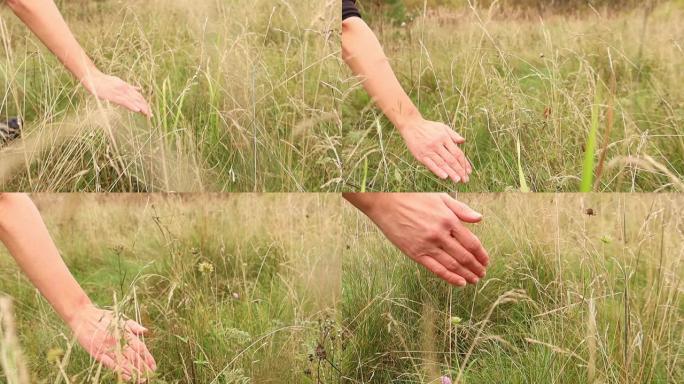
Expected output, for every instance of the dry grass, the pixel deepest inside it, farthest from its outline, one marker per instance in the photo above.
(504, 79)
(244, 95)
(569, 298)
(234, 288)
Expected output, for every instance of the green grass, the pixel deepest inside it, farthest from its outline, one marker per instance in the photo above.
(507, 78)
(568, 297)
(245, 96)
(588, 167)
(253, 96)
(258, 316)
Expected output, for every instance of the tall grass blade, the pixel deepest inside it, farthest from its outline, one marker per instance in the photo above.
(365, 175)
(521, 175)
(610, 113)
(588, 165)
(11, 358)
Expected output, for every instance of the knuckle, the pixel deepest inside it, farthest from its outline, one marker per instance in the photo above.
(461, 259)
(434, 235)
(445, 223)
(452, 265)
(475, 267)
(441, 273)
(472, 244)
(468, 262)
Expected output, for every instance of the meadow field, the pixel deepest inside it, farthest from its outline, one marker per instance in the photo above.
(234, 289)
(554, 100)
(581, 289)
(245, 97)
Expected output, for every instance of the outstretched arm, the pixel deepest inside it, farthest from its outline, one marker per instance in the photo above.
(44, 19)
(429, 228)
(24, 234)
(434, 144)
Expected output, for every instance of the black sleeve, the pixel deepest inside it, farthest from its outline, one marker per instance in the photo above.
(349, 9)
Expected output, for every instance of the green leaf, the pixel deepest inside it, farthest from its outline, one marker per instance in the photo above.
(588, 165)
(523, 183)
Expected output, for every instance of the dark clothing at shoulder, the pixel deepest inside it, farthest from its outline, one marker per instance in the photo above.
(349, 9)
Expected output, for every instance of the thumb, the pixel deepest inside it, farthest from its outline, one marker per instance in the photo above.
(458, 139)
(136, 328)
(464, 212)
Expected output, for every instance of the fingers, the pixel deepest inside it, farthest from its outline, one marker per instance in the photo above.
(456, 152)
(471, 243)
(134, 101)
(441, 271)
(140, 102)
(463, 259)
(445, 164)
(452, 265)
(109, 362)
(143, 353)
(137, 362)
(461, 210)
(134, 361)
(458, 139)
(463, 235)
(121, 93)
(444, 168)
(140, 355)
(434, 168)
(135, 328)
(453, 163)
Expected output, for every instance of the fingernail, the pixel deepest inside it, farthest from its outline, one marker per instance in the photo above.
(456, 179)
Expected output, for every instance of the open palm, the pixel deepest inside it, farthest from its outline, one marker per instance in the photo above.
(114, 342)
(117, 91)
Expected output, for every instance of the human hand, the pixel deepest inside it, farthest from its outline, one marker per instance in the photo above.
(117, 91)
(113, 342)
(429, 229)
(435, 145)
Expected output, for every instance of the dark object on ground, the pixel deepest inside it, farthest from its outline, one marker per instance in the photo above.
(10, 130)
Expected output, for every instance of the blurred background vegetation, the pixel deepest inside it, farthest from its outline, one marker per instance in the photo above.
(399, 10)
(512, 77)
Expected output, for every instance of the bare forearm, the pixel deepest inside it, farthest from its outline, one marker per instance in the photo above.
(44, 19)
(363, 53)
(365, 202)
(24, 234)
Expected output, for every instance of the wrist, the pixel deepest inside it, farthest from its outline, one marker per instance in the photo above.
(73, 313)
(86, 74)
(368, 203)
(408, 121)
